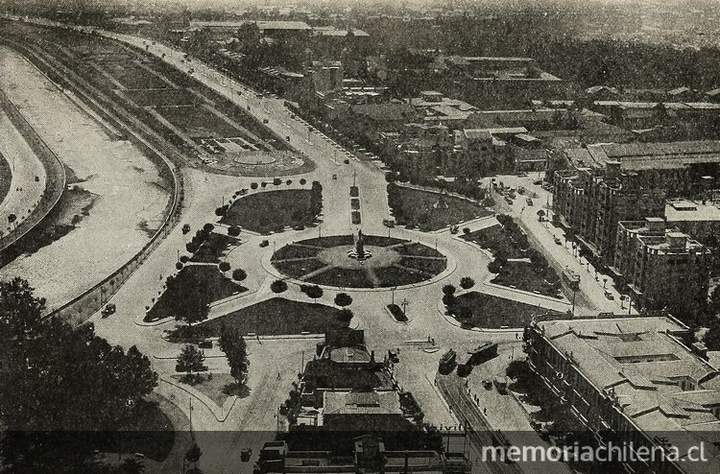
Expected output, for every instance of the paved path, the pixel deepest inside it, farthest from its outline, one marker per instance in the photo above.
(25, 192)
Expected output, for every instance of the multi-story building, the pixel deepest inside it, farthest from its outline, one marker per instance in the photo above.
(632, 380)
(661, 267)
(591, 202)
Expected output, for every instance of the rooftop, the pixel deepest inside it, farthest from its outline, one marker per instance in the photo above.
(644, 156)
(681, 210)
(639, 362)
(361, 403)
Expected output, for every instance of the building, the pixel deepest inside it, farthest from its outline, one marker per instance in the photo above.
(632, 380)
(700, 219)
(661, 267)
(344, 388)
(591, 202)
(369, 454)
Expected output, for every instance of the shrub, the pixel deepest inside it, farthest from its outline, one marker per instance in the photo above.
(191, 247)
(466, 230)
(207, 228)
(466, 283)
(263, 184)
(345, 315)
(343, 299)
(448, 300)
(277, 181)
(233, 231)
(220, 211)
(278, 286)
(184, 259)
(288, 182)
(253, 185)
(179, 265)
(312, 291)
(448, 290)
(303, 181)
(238, 274)
(224, 266)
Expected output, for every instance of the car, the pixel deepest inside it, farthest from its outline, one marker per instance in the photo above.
(529, 201)
(245, 454)
(265, 120)
(487, 383)
(264, 243)
(205, 344)
(393, 356)
(389, 222)
(334, 176)
(299, 227)
(287, 137)
(609, 296)
(557, 240)
(108, 310)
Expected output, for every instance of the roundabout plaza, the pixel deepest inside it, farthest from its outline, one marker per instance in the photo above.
(359, 261)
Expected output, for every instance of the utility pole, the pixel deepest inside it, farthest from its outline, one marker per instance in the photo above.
(404, 303)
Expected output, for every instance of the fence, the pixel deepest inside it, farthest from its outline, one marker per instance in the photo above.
(54, 169)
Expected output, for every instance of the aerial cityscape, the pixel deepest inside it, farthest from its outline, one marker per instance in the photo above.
(430, 236)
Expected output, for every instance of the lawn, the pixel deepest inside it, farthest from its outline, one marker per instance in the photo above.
(213, 248)
(330, 241)
(219, 287)
(427, 265)
(272, 210)
(343, 277)
(5, 178)
(299, 268)
(493, 312)
(494, 239)
(416, 249)
(295, 251)
(520, 275)
(278, 316)
(197, 122)
(396, 276)
(161, 97)
(218, 388)
(430, 211)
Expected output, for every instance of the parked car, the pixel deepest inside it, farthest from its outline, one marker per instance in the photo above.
(487, 383)
(609, 295)
(205, 344)
(557, 240)
(264, 243)
(265, 120)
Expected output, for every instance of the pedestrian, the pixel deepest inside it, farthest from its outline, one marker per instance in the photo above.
(278, 376)
(258, 338)
(485, 411)
(433, 341)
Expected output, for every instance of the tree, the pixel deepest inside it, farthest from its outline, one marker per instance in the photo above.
(233, 231)
(495, 266)
(277, 181)
(343, 299)
(67, 378)
(224, 266)
(190, 360)
(239, 274)
(448, 290)
(303, 181)
(466, 283)
(345, 315)
(312, 291)
(278, 286)
(712, 337)
(207, 228)
(253, 186)
(233, 345)
(190, 297)
(714, 305)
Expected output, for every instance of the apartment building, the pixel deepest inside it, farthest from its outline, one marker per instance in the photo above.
(661, 267)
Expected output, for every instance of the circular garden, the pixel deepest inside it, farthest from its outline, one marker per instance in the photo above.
(325, 261)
